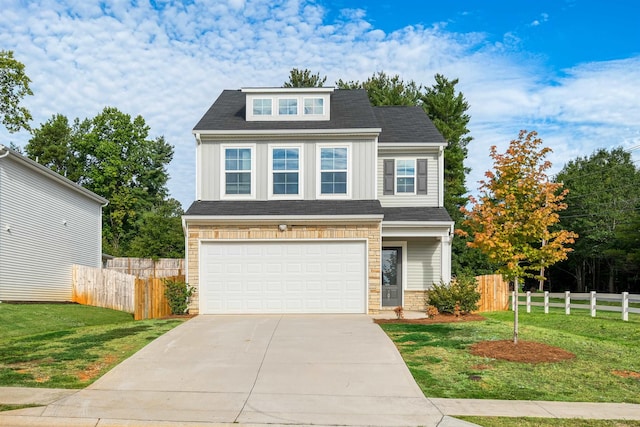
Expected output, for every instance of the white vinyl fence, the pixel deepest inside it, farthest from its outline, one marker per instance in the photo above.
(621, 302)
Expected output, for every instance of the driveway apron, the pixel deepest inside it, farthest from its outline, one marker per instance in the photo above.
(281, 369)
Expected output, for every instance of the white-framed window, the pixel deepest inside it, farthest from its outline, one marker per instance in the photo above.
(334, 171)
(238, 171)
(314, 106)
(288, 106)
(405, 176)
(285, 171)
(262, 106)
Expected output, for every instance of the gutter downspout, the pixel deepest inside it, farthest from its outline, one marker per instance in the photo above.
(2, 148)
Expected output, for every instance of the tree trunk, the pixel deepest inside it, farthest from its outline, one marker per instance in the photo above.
(515, 312)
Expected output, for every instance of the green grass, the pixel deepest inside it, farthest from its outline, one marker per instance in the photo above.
(68, 346)
(14, 407)
(547, 422)
(442, 365)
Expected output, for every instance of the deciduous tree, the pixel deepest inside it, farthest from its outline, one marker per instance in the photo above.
(603, 204)
(112, 155)
(14, 86)
(518, 210)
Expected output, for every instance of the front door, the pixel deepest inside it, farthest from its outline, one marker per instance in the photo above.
(391, 276)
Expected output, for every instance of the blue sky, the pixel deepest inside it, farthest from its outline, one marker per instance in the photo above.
(567, 69)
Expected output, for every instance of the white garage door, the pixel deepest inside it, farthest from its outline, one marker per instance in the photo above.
(283, 277)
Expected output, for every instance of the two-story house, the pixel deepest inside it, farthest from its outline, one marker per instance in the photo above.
(310, 200)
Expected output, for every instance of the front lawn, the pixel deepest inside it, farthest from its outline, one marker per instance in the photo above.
(68, 345)
(547, 422)
(606, 369)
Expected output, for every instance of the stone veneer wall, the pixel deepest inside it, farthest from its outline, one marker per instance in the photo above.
(415, 300)
(368, 231)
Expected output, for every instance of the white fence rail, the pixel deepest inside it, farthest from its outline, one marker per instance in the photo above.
(591, 304)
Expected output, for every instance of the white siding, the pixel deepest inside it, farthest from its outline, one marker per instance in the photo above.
(424, 263)
(362, 160)
(51, 227)
(433, 179)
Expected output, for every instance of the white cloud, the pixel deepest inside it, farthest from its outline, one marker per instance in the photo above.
(169, 63)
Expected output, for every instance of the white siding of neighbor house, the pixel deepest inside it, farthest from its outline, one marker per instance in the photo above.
(424, 263)
(433, 179)
(362, 162)
(50, 228)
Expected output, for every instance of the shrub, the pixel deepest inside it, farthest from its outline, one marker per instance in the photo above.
(177, 293)
(461, 291)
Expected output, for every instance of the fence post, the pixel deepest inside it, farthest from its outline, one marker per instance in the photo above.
(567, 302)
(528, 301)
(593, 303)
(513, 300)
(546, 302)
(625, 306)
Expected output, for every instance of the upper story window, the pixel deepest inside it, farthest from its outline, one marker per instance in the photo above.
(238, 171)
(262, 107)
(334, 163)
(288, 106)
(285, 166)
(313, 106)
(406, 176)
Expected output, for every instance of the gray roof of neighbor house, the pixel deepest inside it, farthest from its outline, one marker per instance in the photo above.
(350, 109)
(241, 208)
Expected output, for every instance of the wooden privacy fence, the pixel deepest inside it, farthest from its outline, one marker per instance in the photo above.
(615, 302)
(147, 267)
(150, 300)
(494, 293)
(103, 288)
(143, 297)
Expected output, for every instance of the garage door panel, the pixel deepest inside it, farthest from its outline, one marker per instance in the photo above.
(283, 277)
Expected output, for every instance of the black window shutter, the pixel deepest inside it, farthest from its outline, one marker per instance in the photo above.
(421, 176)
(389, 176)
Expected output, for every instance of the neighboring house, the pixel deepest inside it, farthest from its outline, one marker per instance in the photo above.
(310, 200)
(47, 224)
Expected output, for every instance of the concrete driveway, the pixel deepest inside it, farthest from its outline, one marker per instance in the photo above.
(290, 369)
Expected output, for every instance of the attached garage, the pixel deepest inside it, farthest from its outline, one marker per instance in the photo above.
(293, 276)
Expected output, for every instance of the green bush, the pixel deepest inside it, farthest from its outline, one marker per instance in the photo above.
(177, 293)
(461, 290)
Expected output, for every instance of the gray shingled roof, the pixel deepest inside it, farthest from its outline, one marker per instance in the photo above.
(350, 109)
(285, 207)
(242, 208)
(416, 214)
(406, 124)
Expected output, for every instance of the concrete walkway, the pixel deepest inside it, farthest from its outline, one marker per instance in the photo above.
(275, 370)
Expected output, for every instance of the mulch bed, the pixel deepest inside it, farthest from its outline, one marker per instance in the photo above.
(439, 318)
(524, 351)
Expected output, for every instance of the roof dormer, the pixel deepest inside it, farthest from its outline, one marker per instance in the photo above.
(288, 104)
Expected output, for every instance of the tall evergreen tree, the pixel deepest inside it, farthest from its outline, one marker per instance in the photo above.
(304, 78)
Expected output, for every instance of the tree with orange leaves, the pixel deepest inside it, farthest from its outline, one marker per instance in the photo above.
(513, 221)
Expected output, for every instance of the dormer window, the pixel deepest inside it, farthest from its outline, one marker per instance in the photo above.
(288, 107)
(288, 104)
(261, 106)
(313, 106)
